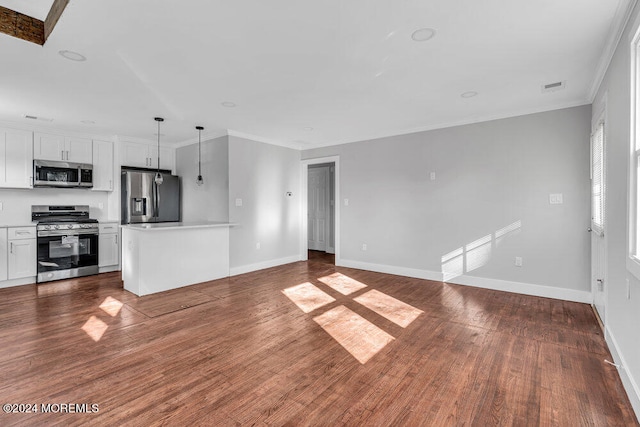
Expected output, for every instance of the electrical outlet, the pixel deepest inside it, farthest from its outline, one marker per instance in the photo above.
(238, 202)
(100, 205)
(346, 202)
(258, 245)
(364, 246)
(518, 261)
(432, 176)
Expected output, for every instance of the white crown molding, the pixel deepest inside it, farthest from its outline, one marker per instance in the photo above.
(623, 13)
(206, 136)
(444, 125)
(36, 127)
(257, 138)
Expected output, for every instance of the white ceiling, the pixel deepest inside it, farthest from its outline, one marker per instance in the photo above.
(347, 69)
(35, 8)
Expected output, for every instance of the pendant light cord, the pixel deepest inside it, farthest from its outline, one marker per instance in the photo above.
(199, 151)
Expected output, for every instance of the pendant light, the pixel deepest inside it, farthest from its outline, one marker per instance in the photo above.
(199, 180)
(158, 178)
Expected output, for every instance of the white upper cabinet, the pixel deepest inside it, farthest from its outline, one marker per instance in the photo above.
(16, 158)
(62, 148)
(135, 154)
(79, 150)
(146, 155)
(48, 147)
(166, 157)
(103, 166)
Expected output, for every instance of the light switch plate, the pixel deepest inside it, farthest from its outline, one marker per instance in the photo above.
(1, 207)
(555, 199)
(346, 202)
(238, 202)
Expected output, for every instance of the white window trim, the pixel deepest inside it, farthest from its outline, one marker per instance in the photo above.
(633, 259)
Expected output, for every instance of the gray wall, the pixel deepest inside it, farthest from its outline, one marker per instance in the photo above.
(488, 204)
(622, 314)
(261, 175)
(209, 202)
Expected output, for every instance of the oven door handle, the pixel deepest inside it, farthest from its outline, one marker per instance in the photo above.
(49, 233)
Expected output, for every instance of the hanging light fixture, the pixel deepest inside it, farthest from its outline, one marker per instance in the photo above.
(199, 180)
(158, 178)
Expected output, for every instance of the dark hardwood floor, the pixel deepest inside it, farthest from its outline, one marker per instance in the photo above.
(303, 344)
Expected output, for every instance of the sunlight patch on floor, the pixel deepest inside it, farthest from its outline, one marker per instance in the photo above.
(357, 335)
(400, 313)
(95, 328)
(307, 297)
(341, 283)
(111, 306)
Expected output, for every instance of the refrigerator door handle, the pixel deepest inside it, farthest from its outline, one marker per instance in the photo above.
(156, 201)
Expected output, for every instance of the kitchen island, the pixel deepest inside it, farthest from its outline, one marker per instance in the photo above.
(163, 256)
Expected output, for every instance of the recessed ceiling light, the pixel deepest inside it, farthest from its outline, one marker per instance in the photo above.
(228, 104)
(74, 56)
(88, 122)
(423, 34)
(307, 128)
(469, 94)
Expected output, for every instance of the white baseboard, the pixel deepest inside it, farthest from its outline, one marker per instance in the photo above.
(391, 269)
(524, 288)
(109, 269)
(478, 282)
(628, 382)
(241, 269)
(18, 282)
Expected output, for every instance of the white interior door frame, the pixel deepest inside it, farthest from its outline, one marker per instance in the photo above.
(319, 215)
(304, 178)
(599, 270)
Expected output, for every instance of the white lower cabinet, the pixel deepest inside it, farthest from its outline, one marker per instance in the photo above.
(23, 252)
(3, 254)
(108, 244)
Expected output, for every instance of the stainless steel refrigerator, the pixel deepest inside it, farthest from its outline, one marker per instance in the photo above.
(142, 200)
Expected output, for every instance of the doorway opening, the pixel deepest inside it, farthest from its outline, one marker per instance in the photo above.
(319, 237)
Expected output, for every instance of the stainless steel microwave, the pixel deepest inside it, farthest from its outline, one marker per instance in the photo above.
(48, 173)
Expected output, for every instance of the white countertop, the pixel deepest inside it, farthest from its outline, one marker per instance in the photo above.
(176, 225)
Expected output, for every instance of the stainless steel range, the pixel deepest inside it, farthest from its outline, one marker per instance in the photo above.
(67, 242)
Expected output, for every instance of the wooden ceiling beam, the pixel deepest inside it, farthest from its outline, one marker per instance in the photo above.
(27, 28)
(52, 17)
(21, 26)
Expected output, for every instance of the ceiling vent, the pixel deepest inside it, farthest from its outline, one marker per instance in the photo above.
(552, 87)
(44, 119)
